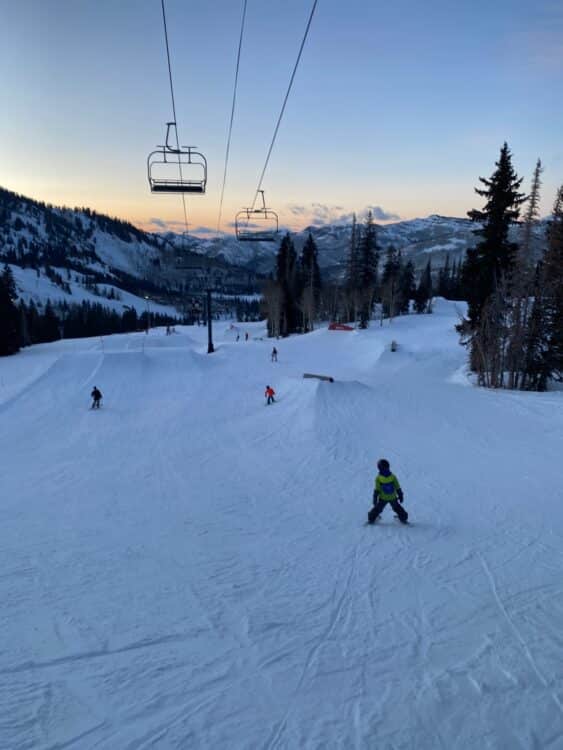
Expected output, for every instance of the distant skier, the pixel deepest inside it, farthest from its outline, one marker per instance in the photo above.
(269, 394)
(96, 397)
(246, 336)
(274, 354)
(387, 490)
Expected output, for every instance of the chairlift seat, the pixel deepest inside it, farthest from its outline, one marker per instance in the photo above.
(176, 169)
(259, 236)
(171, 186)
(257, 224)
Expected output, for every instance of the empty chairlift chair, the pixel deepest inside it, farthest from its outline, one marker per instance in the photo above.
(257, 224)
(176, 169)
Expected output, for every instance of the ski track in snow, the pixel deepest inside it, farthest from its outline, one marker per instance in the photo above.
(188, 569)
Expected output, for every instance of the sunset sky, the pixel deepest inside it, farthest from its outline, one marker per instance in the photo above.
(397, 106)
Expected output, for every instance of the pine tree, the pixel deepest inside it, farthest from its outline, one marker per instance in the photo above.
(532, 211)
(444, 279)
(352, 274)
(8, 280)
(50, 324)
(407, 287)
(552, 282)
(494, 254)
(390, 282)
(521, 284)
(311, 283)
(454, 284)
(423, 298)
(536, 343)
(287, 276)
(33, 323)
(9, 320)
(25, 336)
(368, 261)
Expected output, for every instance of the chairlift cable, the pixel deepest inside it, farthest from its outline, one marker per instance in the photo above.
(173, 108)
(285, 102)
(232, 116)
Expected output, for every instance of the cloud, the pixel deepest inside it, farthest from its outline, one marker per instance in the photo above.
(203, 230)
(169, 226)
(319, 214)
(251, 225)
(158, 223)
(381, 214)
(315, 213)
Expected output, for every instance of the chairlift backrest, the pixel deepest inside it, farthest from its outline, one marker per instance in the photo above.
(179, 169)
(257, 224)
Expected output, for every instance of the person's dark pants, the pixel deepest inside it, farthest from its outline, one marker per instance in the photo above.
(96, 404)
(380, 506)
(270, 399)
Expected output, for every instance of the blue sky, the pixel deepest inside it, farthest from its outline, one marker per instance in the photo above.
(398, 106)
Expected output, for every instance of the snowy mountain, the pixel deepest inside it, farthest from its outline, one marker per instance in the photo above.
(187, 568)
(70, 255)
(418, 239)
(100, 249)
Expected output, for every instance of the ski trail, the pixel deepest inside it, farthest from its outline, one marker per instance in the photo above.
(539, 674)
(78, 738)
(95, 654)
(278, 729)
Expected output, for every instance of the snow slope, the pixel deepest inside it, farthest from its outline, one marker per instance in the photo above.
(40, 288)
(188, 569)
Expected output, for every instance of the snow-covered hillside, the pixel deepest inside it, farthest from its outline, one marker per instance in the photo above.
(187, 568)
(79, 237)
(418, 239)
(39, 288)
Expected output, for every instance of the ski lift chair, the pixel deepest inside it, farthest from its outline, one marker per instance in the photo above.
(257, 224)
(176, 170)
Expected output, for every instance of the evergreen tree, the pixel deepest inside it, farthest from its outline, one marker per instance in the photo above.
(521, 285)
(532, 211)
(25, 336)
(536, 369)
(444, 279)
(390, 282)
(455, 282)
(494, 254)
(423, 297)
(50, 330)
(407, 287)
(311, 283)
(352, 274)
(552, 283)
(287, 276)
(9, 320)
(368, 261)
(33, 323)
(9, 282)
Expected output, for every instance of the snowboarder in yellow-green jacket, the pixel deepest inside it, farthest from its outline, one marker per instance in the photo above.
(387, 490)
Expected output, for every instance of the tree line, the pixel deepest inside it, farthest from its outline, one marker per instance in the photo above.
(514, 324)
(295, 297)
(25, 323)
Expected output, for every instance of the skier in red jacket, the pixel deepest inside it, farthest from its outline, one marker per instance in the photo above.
(269, 394)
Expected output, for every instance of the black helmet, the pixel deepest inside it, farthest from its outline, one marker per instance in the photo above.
(383, 464)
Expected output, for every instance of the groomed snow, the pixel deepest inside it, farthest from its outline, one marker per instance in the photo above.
(187, 568)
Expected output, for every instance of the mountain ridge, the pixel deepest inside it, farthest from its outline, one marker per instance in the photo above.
(109, 250)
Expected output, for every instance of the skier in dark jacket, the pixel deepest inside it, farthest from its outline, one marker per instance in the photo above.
(96, 397)
(387, 490)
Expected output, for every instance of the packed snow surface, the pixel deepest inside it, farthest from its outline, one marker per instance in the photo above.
(188, 568)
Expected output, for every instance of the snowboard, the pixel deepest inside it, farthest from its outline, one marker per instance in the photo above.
(404, 523)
